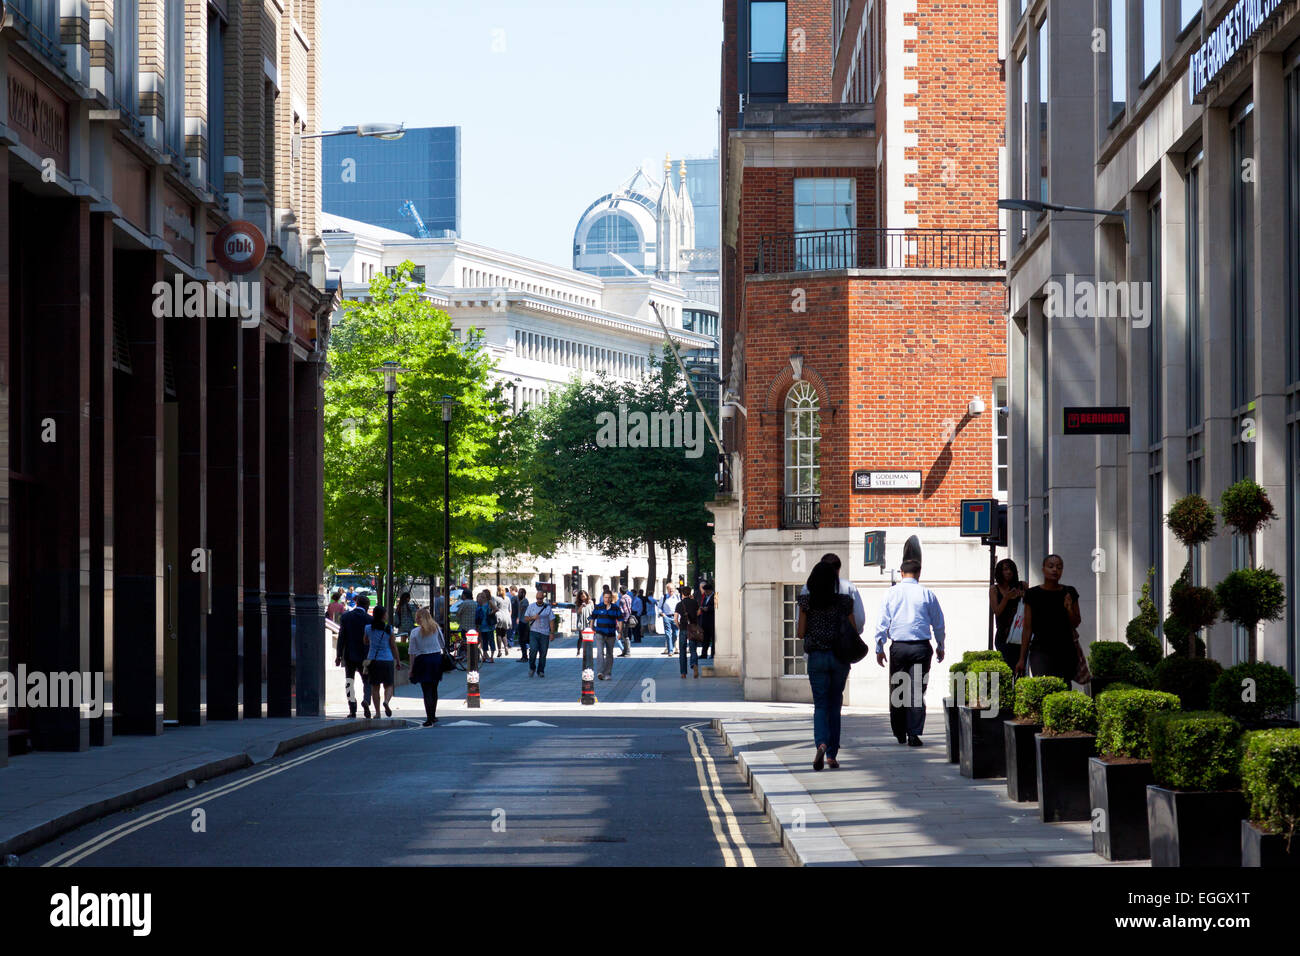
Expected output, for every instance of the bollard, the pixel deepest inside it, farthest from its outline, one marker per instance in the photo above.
(588, 668)
(471, 669)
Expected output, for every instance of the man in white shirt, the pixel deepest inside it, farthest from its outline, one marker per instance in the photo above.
(668, 607)
(539, 616)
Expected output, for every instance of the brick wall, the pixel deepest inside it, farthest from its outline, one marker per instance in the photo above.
(767, 206)
(892, 358)
(809, 53)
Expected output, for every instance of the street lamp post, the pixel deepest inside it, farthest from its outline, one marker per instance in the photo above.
(447, 403)
(390, 371)
(386, 131)
(1033, 205)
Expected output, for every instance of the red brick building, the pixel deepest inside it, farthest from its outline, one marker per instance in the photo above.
(863, 319)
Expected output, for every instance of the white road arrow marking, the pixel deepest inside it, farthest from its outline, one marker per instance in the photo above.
(467, 723)
(533, 723)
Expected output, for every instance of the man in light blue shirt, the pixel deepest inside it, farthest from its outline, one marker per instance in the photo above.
(908, 615)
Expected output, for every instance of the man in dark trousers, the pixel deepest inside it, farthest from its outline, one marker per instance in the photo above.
(352, 652)
(908, 615)
(708, 605)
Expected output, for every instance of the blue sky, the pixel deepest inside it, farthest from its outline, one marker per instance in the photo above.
(558, 100)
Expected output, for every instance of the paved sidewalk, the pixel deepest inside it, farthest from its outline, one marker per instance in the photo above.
(892, 805)
(44, 794)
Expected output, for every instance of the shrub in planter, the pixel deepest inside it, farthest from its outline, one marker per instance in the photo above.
(1122, 720)
(1112, 661)
(1270, 777)
(1141, 631)
(958, 668)
(1190, 678)
(1030, 692)
(969, 657)
(1068, 711)
(1195, 750)
(990, 683)
(1253, 693)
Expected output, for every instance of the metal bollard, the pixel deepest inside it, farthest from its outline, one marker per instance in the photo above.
(588, 668)
(471, 669)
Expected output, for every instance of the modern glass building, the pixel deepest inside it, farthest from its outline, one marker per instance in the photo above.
(370, 180)
(702, 184)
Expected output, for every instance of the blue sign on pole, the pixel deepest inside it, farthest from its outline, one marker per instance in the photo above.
(977, 517)
(873, 551)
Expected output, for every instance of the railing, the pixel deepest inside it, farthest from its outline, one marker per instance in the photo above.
(801, 511)
(880, 249)
(39, 21)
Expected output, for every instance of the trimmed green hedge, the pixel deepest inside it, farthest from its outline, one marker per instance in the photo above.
(1030, 692)
(1122, 720)
(1270, 777)
(1189, 677)
(957, 668)
(969, 657)
(1196, 750)
(1270, 688)
(1111, 660)
(1069, 710)
(999, 683)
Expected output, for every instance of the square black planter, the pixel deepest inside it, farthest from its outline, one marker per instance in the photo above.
(1259, 848)
(983, 750)
(1021, 760)
(1119, 791)
(951, 730)
(1063, 777)
(1195, 827)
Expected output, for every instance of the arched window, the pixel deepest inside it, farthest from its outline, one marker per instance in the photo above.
(612, 233)
(802, 441)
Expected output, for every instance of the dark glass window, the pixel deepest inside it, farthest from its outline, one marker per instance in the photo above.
(1243, 257)
(1195, 358)
(1155, 378)
(1118, 56)
(767, 32)
(216, 102)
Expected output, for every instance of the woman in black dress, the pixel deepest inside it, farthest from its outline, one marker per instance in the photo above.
(822, 613)
(1052, 617)
(1004, 599)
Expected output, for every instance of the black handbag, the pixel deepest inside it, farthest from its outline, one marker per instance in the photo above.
(849, 645)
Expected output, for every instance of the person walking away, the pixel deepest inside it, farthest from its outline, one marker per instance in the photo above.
(688, 629)
(908, 615)
(651, 611)
(582, 618)
(427, 650)
(522, 630)
(845, 587)
(381, 659)
(823, 614)
(466, 619)
(1004, 600)
(351, 654)
(667, 612)
(708, 605)
(638, 616)
(606, 620)
(1052, 618)
(504, 619)
(539, 616)
(336, 607)
(485, 622)
(625, 605)
(404, 616)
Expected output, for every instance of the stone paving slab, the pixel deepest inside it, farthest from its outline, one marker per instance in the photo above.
(892, 805)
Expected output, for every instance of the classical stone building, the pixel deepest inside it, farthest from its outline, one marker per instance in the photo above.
(160, 479)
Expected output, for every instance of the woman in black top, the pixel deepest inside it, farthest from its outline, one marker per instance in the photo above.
(822, 613)
(1051, 616)
(1004, 599)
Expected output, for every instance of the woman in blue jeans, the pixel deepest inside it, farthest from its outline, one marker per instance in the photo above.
(822, 613)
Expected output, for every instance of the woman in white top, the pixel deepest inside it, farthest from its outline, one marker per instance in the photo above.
(427, 649)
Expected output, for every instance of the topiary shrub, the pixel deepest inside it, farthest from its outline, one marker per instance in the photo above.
(969, 657)
(990, 684)
(958, 668)
(1194, 606)
(1191, 519)
(1190, 678)
(1141, 631)
(1030, 692)
(1246, 507)
(1251, 595)
(1179, 639)
(1253, 692)
(1270, 778)
(1068, 711)
(1113, 661)
(1196, 750)
(1122, 720)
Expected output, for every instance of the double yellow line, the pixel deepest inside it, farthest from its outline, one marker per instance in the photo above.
(108, 837)
(715, 801)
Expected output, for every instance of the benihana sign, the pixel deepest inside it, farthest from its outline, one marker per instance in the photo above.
(239, 247)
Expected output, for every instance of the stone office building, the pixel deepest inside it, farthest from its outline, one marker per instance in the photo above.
(160, 480)
(1187, 121)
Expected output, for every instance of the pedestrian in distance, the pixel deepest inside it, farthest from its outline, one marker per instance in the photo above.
(505, 620)
(909, 614)
(1004, 600)
(466, 620)
(539, 616)
(582, 609)
(667, 614)
(1051, 642)
(625, 605)
(651, 615)
(485, 622)
(606, 620)
(823, 614)
(336, 607)
(708, 605)
(350, 599)
(382, 660)
(351, 654)
(638, 615)
(404, 616)
(522, 628)
(689, 632)
(427, 649)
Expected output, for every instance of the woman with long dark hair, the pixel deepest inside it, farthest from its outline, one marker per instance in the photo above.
(1004, 599)
(823, 612)
(381, 659)
(1051, 643)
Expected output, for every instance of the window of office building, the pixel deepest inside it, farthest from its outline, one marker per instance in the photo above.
(612, 233)
(1188, 9)
(822, 205)
(174, 80)
(1150, 37)
(1022, 81)
(1195, 357)
(126, 26)
(1044, 72)
(1155, 527)
(1292, 200)
(216, 102)
(792, 659)
(1118, 56)
(1155, 330)
(767, 74)
(1001, 438)
(1243, 257)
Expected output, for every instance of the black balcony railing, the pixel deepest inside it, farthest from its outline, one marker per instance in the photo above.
(801, 511)
(880, 249)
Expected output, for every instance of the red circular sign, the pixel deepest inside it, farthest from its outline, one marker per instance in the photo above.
(239, 246)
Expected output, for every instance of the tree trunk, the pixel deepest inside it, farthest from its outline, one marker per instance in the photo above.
(651, 567)
(669, 575)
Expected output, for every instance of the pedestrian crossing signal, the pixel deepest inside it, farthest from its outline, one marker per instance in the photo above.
(874, 549)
